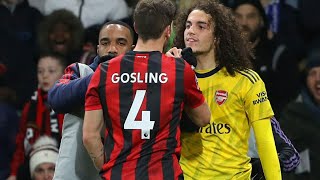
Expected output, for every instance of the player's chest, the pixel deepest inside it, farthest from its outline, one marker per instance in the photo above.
(220, 93)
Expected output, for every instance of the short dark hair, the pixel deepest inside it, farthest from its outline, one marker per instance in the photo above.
(61, 59)
(151, 17)
(119, 23)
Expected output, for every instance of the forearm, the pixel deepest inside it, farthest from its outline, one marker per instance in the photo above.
(267, 149)
(92, 126)
(200, 115)
(95, 149)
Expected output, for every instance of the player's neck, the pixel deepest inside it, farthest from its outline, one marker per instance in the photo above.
(206, 61)
(150, 45)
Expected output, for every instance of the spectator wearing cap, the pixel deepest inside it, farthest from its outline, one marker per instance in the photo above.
(43, 158)
(301, 121)
(275, 66)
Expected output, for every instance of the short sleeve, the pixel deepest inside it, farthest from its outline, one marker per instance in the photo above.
(193, 95)
(257, 104)
(92, 96)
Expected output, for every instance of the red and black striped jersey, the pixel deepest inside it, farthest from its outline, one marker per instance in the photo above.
(142, 95)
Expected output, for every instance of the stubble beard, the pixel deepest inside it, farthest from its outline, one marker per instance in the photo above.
(198, 53)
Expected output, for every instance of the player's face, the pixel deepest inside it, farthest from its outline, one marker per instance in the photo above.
(49, 71)
(198, 33)
(250, 20)
(44, 171)
(114, 39)
(313, 83)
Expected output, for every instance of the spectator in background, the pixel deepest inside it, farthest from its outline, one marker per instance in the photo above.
(90, 12)
(9, 123)
(284, 24)
(284, 27)
(37, 117)
(61, 32)
(301, 121)
(253, 21)
(273, 66)
(18, 27)
(309, 20)
(43, 158)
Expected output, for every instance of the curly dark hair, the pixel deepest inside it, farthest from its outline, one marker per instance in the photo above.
(65, 17)
(232, 51)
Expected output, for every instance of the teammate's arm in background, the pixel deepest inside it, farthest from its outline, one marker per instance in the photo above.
(267, 149)
(288, 156)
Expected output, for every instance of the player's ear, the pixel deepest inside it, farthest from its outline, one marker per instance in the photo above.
(98, 49)
(168, 31)
(134, 27)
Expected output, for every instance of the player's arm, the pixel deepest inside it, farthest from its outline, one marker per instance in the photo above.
(195, 104)
(289, 158)
(267, 149)
(92, 126)
(200, 115)
(93, 122)
(69, 91)
(68, 94)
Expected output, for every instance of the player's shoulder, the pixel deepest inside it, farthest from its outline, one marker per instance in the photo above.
(249, 76)
(174, 62)
(84, 70)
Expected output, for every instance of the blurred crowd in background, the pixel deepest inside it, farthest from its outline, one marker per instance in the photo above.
(39, 38)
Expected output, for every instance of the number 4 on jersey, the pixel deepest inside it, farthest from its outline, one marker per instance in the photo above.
(145, 125)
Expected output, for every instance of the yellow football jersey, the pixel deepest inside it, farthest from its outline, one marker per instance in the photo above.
(219, 150)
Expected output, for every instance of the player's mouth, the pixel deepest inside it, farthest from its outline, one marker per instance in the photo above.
(192, 40)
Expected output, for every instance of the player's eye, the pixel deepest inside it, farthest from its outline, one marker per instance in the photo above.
(105, 43)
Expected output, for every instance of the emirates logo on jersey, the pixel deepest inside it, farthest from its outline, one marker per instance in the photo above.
(221, 96)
